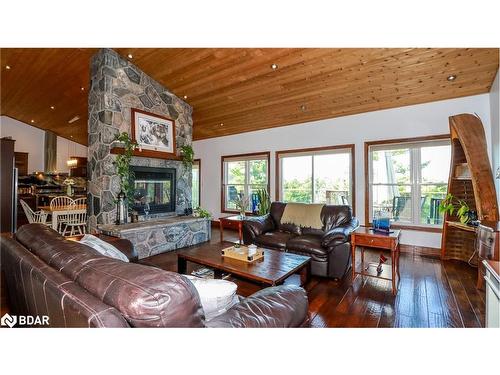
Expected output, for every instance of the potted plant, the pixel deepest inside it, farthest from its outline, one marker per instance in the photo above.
(264, 202)
(241, 203)
(122, 164)
(453, 205)
(200, 212)
(187, 155)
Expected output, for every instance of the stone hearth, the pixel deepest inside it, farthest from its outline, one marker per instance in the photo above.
(161, 235)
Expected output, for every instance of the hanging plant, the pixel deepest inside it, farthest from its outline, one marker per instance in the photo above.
(122, 163)
(187, 154)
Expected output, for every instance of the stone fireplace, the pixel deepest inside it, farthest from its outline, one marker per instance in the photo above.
(117, 86)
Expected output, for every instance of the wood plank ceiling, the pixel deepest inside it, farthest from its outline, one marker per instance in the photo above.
(239, 88)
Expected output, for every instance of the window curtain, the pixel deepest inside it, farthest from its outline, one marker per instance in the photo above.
(50, 152)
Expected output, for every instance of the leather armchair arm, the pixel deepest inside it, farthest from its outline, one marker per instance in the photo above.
(340, 234)
(254, 226)
(274, 307)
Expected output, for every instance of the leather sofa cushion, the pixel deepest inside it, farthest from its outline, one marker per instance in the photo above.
(334, 216)
(273, 240)
(146, 296)
(276, 212)
(309, 244)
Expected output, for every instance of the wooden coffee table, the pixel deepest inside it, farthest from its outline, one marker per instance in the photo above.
(274, 269)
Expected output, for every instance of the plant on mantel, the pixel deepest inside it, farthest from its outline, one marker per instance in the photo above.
(187, 155)
(122, 163)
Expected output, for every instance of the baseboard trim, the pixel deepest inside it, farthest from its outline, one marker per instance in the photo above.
(423, 251)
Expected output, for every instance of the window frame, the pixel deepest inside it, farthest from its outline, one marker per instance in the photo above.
(318, 150)
(197, 161)
(266, 155)
(415, 179)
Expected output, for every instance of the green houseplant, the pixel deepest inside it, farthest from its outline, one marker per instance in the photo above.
(453, 205)
(122, 163)
(264, 202)
(187, 154)
(200, 212)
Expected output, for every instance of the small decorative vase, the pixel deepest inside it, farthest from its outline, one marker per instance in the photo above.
(69, 191)
(242, 214)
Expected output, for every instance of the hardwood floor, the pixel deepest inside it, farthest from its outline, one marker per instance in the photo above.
(431, 294)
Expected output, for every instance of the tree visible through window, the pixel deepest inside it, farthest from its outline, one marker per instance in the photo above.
(316, 176)
(244, 175)
(408, 181)
(196, 189)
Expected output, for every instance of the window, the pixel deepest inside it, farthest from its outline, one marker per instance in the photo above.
(196, 184)
(318, 175)
(243, 174)
(408, 180)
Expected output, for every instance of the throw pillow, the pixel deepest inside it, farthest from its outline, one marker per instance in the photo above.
(216, 296)
(103, 247)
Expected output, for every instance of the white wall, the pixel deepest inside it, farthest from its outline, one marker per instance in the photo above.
(65, 149)
(30, 139)
(403, 122)
(495, 129)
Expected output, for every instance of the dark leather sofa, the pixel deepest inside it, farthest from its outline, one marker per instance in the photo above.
(75, 286)
(329, 247)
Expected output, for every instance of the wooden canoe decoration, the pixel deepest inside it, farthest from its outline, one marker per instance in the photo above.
(471, 180)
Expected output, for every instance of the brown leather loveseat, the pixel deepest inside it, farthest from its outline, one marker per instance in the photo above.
(329, 247)
(75, 286)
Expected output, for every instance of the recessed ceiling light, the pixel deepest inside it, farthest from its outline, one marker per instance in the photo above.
(52, 107)
(32, 121)
(221, 124)
(303, 108)
(185, 96)
(82, 88)
(130, 56)
(71, 136)
(451, 77)
(7, 67)
(274, 66)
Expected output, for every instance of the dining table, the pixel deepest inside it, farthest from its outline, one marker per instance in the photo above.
(57, 212)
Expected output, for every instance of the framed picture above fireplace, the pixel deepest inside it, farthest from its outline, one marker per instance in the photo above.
(153, 133)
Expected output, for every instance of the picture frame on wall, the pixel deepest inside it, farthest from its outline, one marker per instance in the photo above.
(153, 133)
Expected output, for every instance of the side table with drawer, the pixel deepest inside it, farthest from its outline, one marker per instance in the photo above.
(366, 237)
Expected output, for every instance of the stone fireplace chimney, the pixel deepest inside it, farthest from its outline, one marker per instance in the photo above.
(117, 86)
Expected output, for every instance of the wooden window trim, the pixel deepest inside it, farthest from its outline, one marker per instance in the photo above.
(350, 146)
(367, 177)
(199, 181)
(267, 155)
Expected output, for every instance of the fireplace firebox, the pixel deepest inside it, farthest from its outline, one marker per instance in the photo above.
(154, 190)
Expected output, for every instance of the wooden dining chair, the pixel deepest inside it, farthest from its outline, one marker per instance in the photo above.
(74, 221)
(33, 217)
(79, 202)
(58, 203)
